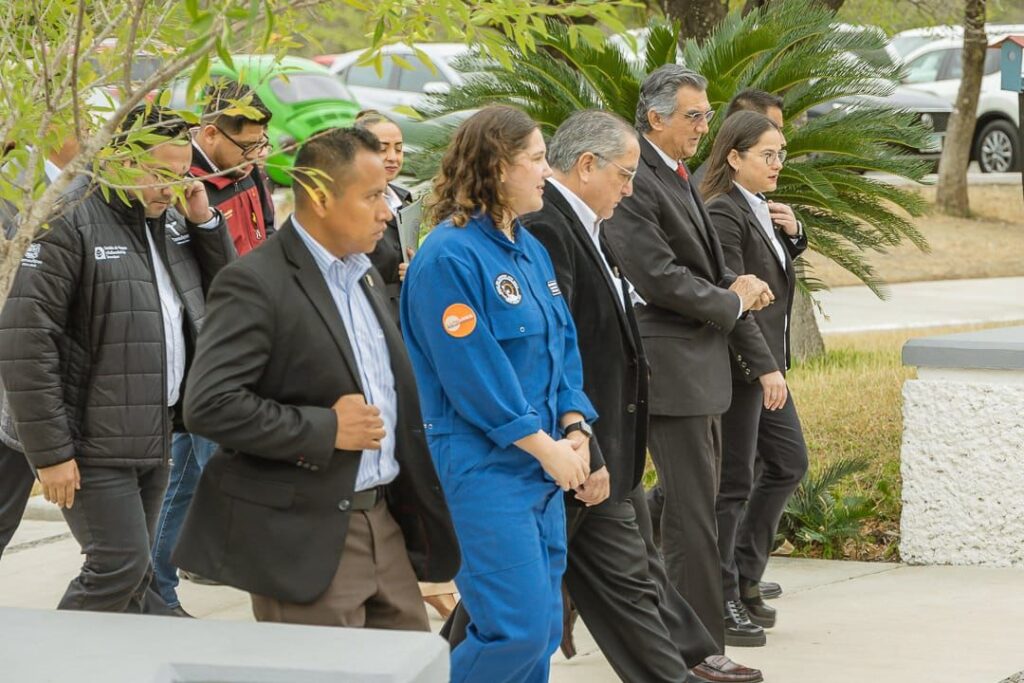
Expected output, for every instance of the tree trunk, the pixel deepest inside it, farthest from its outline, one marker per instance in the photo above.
(697, 18)
(804, 337)
(951, 194)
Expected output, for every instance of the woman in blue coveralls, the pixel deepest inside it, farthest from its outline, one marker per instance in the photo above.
(494, 350)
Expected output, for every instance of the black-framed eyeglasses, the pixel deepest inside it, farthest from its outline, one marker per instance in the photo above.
(629, 174)
(249, 148)
(696, 116)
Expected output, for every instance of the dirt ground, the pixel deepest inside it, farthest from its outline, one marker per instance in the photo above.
(991, 244)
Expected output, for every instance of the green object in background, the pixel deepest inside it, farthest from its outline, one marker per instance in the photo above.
(304, 97)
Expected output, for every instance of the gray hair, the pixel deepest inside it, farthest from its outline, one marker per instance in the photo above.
(658, 92)
(601, 133)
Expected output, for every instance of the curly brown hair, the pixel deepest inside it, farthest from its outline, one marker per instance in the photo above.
(469, 179)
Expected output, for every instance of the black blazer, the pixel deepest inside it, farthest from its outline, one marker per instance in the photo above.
(748, 250)
(272, 507)
(671, 254)
(387, 255)
(615, 373)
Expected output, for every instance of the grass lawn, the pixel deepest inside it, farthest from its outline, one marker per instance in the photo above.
(988, 245)
(850, 404)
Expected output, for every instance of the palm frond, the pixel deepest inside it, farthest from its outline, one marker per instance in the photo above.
(788, 47)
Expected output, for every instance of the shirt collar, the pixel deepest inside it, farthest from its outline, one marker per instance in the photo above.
(52, 170)
(213, 166)
(669, 161)
(588, 218)
(757, 201)
(352, 267)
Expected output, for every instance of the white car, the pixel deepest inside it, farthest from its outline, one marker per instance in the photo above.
(935, 68)
(905, 42)
(397, 86)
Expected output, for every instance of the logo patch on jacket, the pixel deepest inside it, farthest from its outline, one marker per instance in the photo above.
(177, 236)
(109, 253)
(31, 257)
(458, 320)
(508, 289)
(554, 288)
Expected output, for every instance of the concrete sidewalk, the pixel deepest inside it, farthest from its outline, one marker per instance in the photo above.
(922, 304)
(840, 622)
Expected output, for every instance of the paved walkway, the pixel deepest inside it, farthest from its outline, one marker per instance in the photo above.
(922, 304)
(840, 622)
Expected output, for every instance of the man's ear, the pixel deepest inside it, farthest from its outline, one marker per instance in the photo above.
(654, 120)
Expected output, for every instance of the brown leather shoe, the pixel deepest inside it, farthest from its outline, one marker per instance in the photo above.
(721, 669)
(569, 616)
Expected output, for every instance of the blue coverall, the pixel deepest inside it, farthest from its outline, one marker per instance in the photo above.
(493, 346)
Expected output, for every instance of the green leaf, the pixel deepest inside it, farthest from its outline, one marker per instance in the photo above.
(199, 74)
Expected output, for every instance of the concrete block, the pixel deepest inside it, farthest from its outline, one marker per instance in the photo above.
(43, 645)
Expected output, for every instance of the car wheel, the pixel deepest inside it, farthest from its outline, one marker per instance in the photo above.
(998, 148)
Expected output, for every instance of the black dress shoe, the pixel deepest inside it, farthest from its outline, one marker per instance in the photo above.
(196, 578)
(721, 669)
(770, 590)
(759, 611)
(739, 630)
(179, 611)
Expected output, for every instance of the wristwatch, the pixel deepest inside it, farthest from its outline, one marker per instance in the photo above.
(581, 426)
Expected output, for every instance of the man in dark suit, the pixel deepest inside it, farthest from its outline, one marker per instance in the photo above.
(646, 630)
(322, 501)
(662, 239)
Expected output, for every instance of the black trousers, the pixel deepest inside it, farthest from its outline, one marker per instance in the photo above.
(749, 508)
(645, 629)
(16, 481)
(687, 454)
(113, 519)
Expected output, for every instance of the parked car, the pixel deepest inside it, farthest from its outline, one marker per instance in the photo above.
(304, 98)
(931, 111)
(905, 42)
(935, 68)
(396, 86)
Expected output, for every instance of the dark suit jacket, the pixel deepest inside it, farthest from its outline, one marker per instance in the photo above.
(615, 372)
(747, 250)
(671, 254)
(387, 256)
(272, 507)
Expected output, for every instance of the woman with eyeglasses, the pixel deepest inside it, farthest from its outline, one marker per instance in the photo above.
(760, 237)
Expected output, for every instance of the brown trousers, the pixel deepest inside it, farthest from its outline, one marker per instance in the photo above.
(374, 587)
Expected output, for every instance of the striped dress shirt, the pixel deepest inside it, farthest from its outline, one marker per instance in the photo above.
(376, 467)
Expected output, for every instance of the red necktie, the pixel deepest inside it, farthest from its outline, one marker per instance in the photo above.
(682, 172)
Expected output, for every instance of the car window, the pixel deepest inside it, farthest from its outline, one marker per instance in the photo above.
(955, 68)
(413, 80)
(904, 45)
(925, 69)
(992, 61)
(302, 87)
(365, 76)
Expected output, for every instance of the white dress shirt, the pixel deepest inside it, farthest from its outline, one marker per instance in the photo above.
(393, 200)
(759, 205)
(592, 223)
(173, 313)
(172, 310)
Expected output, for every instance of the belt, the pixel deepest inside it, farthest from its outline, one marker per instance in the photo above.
(366, 500)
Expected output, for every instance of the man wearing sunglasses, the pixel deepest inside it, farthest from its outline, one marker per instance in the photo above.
(228, 149)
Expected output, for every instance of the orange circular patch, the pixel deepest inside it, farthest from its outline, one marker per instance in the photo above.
(459, 320)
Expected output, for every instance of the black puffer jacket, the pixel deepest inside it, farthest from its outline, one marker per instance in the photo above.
(82, 338)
